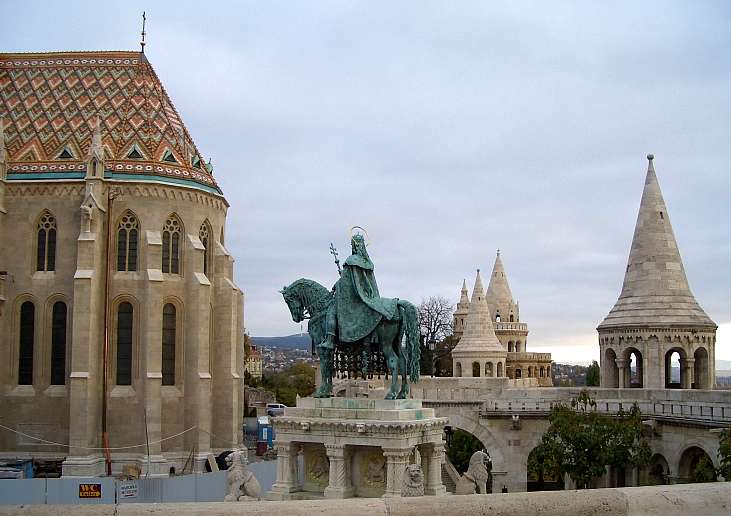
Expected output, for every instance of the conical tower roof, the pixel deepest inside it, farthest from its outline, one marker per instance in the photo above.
(479, 334)
(464, 301)
(655, 290)
(498, 291)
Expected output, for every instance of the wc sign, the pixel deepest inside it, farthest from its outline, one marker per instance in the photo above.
(90, 490)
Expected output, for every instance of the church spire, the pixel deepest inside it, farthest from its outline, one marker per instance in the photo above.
(479, 333)
(655, 289)
(499, 297)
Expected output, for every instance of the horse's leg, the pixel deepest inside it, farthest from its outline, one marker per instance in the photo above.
(392, 364)
(325, 389)
(404, 392)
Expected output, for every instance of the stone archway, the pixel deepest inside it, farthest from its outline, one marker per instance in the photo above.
(696, 465)
(657, 472)
(475, 369)
(539, 476)
(633, 369)
(675, 374)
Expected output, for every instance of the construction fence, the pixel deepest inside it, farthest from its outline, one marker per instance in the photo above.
(209, 487)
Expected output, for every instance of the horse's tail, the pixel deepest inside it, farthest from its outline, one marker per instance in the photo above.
(410, 327)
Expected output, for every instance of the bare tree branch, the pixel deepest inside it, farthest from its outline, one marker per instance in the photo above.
(435, 318)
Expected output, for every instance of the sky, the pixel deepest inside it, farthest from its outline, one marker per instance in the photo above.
(447, 130)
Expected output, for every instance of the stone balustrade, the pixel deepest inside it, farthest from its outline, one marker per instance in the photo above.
(672, 500)
(497, 398)
(510, 326)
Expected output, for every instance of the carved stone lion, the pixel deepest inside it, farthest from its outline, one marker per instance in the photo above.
(413, 481)
(242, 484)
(475, 480)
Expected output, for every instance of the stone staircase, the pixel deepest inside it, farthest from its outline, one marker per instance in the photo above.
(450, 477)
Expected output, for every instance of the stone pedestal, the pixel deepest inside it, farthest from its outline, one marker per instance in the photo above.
(355, 447)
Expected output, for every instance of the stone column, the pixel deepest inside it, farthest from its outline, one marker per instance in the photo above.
(396, 460)
(622, 366)
(688, 365)
(432, 458)
(340, 485)
(284, 486)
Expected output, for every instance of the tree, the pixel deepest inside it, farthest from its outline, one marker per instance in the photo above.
(296, 380)
(435, 325)
(592, 375)
(583, 442)
(724, 454)
(435, 318)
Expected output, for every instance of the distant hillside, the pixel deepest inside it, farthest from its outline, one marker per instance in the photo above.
(723, 365)
(289, 342)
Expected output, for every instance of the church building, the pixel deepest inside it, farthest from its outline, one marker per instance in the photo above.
(120, 322)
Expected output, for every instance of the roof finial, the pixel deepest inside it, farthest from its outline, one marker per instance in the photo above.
(142, 43)
(498, 252)
(650, 165)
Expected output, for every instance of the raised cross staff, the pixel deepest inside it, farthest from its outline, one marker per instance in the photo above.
(334, 252)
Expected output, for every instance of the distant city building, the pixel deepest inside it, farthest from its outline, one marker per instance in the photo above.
(499, 318)
(253, 364)
(113, 240)
(656, 320)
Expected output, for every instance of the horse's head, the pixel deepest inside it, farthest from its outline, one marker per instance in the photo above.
(294, 302)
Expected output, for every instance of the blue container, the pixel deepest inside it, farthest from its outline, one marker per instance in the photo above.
(265, 431)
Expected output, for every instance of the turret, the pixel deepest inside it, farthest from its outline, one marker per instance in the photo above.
(460, 314)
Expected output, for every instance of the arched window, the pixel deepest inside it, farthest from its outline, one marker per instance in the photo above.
(46, 242)
(497, 317)
(127, 237)
(512, 318)
(205, 236)
(168, 344)
(458, 369)
(171, 245)
(543, 372)
(125, 320)
(476, 369)
(27, 334)
(58, 343)
(499, 369)
(488, 369)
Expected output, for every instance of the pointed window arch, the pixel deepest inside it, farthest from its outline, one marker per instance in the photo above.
(127, 242)
(171, 245)
(58, 343)
(46, 242)
(205, 236)
(125, 322)
(169, 322)
(66, 153)
(27, 337)
(169, 157)
(135, 152)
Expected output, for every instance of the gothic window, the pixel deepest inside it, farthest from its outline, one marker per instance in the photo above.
(171, 245)
(512, 319)
(168, 344)
(134, 153)
(205, 236)
(58, 343)
(127, 237)
(66, 153)
(125, 320)
(46, 243)
(497, 317)
(27, 331)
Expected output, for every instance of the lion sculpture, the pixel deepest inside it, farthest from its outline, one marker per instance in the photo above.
(475, 480)
(413, 481)
(242, 484)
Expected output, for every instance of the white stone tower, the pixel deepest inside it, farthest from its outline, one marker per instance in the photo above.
(656, 319)
(479, 352)
(505, 311)
(460, 314)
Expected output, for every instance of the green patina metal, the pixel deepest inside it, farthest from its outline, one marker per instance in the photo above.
(108, 174)
(353, 317)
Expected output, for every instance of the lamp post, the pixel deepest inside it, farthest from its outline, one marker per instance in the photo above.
(433, 351)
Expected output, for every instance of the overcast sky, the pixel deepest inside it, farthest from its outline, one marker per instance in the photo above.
(448, 130)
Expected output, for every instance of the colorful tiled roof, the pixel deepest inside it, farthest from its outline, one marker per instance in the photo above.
(50, 103)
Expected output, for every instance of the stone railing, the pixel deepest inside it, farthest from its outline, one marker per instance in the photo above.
(670, 500)
(498, 397)
(528, 356)
(510, 326)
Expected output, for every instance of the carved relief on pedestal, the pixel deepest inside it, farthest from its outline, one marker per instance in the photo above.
(373, 469)
(317, 468)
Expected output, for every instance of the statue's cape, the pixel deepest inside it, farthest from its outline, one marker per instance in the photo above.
(359, 305)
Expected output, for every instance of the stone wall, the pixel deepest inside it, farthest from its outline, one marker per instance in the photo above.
(665, 500)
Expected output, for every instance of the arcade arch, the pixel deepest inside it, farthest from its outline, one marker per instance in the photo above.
(700, 369)
(675, 375)
(634, 373)
(696, 465)
(611, 371)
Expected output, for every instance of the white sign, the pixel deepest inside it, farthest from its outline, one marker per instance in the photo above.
(128, 489)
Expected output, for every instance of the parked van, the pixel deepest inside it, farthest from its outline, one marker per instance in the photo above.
(275, 409)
